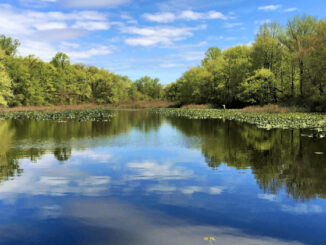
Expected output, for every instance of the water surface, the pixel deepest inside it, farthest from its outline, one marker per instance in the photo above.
(145, 179)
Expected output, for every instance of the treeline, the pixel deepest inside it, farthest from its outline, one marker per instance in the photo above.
(285, 65)
(26, 81)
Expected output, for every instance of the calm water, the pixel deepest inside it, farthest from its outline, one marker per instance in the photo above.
(149, 180)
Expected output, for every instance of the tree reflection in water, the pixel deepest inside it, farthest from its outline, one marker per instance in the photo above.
(279, 159)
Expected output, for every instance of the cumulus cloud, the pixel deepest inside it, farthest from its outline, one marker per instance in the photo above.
(91, 25)
(60, 181)
(40, 32)
(166, 17)
(39, 49)
(270, 7)
(151, 36)
(160, 17)
(19, 22)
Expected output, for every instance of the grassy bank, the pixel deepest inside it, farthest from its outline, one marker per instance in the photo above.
(284, 120)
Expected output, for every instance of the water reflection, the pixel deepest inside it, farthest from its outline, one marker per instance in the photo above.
(278, 158)
(144, 179)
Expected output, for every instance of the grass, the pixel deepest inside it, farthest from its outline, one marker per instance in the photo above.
(267, 120)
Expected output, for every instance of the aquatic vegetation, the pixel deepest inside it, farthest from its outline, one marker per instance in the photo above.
(99, 114)
(264, 120)
(210, 239)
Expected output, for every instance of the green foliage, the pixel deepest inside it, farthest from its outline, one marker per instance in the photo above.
(5, 85)
(8, 45)
(283, 65)
(172, 92)
(260, 88)
(149, 87)
(61, 60)
(28, 81)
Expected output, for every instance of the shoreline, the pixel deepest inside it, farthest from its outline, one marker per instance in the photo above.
(122, 105)
(265, 120)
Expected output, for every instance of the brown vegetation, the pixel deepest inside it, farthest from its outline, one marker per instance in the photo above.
(272, 108)
(144, 104)
(131, 104)
(194, 106)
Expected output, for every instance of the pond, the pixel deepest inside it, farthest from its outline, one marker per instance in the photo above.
(142, 178)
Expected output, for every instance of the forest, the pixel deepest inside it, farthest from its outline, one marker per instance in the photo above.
(285, 65)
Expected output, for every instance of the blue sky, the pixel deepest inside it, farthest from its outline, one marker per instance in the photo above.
(141, 37)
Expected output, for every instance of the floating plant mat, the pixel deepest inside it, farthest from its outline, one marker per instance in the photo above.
(80, 115)
(266, 120)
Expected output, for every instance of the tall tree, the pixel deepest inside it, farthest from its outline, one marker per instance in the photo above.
(5, 85)
(9, 45)
(298, 40)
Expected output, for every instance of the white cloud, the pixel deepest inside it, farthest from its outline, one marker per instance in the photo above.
(59, 181)
(39, 32)
(152, 170)
(55, 35)
(270, 7)
(215, 190)
(146, 225)
(80, 55)
(50, 26)
(268, 197)
(166, 17)
(88, 154)
(39, 49)
(160, 17)
(302, 209)
(19, 22)
(291, 10)
(129, 19)
(46, 52)
(162, 188)
(191, 15)
(151, 36)
(91, 25)
(187, 190)
(94, 3)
